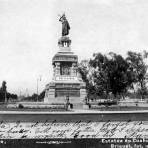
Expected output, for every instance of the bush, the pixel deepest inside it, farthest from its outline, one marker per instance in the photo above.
(71, 106)
(20, 106)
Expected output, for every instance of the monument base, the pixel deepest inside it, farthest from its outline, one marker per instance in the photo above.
(58, 92)
(67, 85)
(86, 106)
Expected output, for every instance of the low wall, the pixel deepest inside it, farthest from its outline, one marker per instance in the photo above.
(134, 103)
(73, 116)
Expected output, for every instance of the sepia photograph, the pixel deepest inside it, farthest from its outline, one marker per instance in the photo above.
(74, 74)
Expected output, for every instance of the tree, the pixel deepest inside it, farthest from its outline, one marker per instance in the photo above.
(100, 73)
(139, 70)
(35, 97)
(4, 95)
(86, 74)
(119, 75)
(42, 95)
(4, 87)
(106, 74)
(12, 96)
(3, 92)
(111, 73)
(1, 96)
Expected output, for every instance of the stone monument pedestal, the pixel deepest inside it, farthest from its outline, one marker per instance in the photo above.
(66, 78)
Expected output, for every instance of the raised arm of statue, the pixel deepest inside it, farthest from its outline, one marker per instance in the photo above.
(65, 25)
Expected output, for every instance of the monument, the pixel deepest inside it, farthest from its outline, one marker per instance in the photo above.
(66, 81)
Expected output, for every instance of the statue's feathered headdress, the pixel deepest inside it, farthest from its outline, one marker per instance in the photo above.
(62, 17)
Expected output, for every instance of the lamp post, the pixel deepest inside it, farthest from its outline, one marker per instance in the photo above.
(38, 79)
(37, 89)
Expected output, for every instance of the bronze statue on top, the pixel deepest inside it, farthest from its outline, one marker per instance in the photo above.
(65, 25)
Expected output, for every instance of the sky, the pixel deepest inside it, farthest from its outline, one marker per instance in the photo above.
(29, 32)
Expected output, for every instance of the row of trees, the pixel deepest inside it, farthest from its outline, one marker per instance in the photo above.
(115, 75)
(35, 97)
(4, 95)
